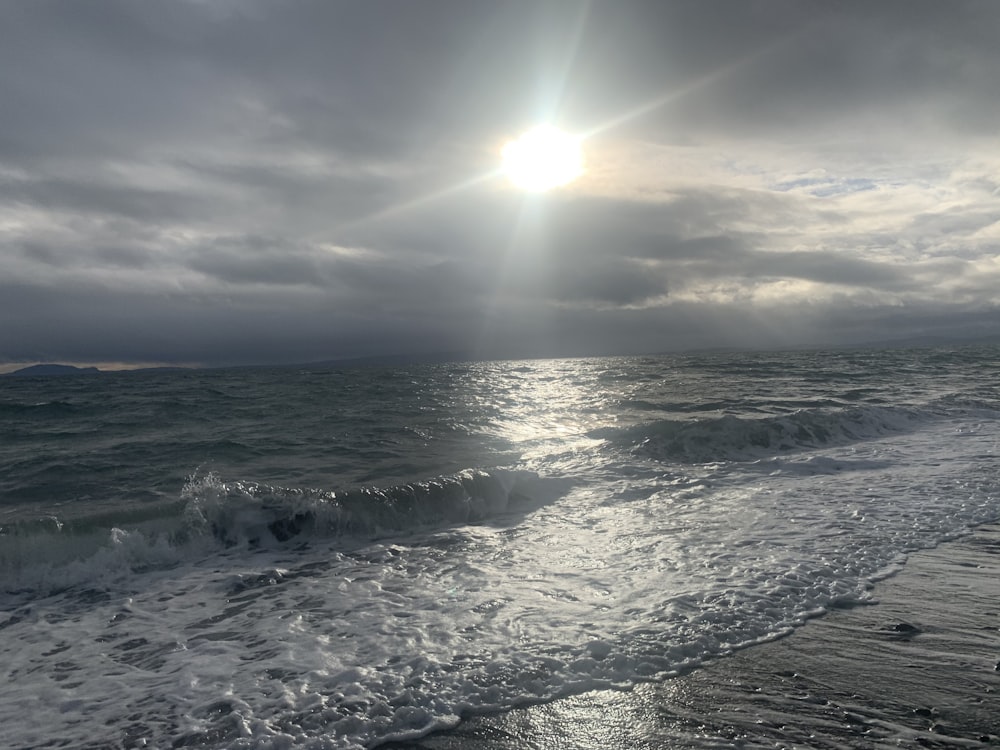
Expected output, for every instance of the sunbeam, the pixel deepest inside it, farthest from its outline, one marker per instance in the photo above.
(668, 97)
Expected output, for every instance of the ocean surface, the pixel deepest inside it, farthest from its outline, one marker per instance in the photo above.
(336, 558)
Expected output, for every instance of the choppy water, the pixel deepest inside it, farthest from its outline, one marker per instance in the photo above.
(335, 558)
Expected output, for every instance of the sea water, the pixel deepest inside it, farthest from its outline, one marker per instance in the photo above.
(335, 558)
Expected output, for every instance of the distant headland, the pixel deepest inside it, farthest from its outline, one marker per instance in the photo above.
(53, 370)
(49, 370)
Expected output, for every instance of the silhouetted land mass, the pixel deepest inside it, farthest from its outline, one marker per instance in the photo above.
(50, 370)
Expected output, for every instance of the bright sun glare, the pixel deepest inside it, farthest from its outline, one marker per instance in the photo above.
(542, 159)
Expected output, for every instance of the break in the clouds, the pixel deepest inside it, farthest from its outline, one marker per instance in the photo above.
(219, 182)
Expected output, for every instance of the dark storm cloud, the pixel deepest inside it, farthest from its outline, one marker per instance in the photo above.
(244, 327)
(253, 260)
(301, 194)
(93, 197)
(610, 281)
(359, 79)
(103, 256)
(256, 181)
(827, 268)
(591, 262)
(952, 221)
(377, 78)
(896, 63)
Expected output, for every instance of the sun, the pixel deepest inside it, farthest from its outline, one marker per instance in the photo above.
(542, 159)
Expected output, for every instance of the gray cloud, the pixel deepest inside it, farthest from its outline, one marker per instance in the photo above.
(102, 199)
(248, 182)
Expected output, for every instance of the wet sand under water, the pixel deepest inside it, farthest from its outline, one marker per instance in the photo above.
(919, 668)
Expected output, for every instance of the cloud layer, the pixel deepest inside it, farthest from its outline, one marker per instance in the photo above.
(257, 182)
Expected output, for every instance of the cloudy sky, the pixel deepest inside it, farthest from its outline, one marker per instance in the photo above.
(222, 182)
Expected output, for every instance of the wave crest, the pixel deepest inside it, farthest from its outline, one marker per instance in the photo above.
(730, 438)
(237, 512)
(48, 555)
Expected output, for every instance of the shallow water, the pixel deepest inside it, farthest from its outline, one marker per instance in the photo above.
(336, 558)
(916, 671)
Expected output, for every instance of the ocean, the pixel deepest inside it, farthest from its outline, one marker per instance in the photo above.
(339, 558)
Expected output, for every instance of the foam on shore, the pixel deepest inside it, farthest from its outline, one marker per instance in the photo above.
(919, 668)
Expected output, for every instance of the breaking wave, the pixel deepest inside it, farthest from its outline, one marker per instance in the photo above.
(250, 513)
(730, 438)
(52, 555)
